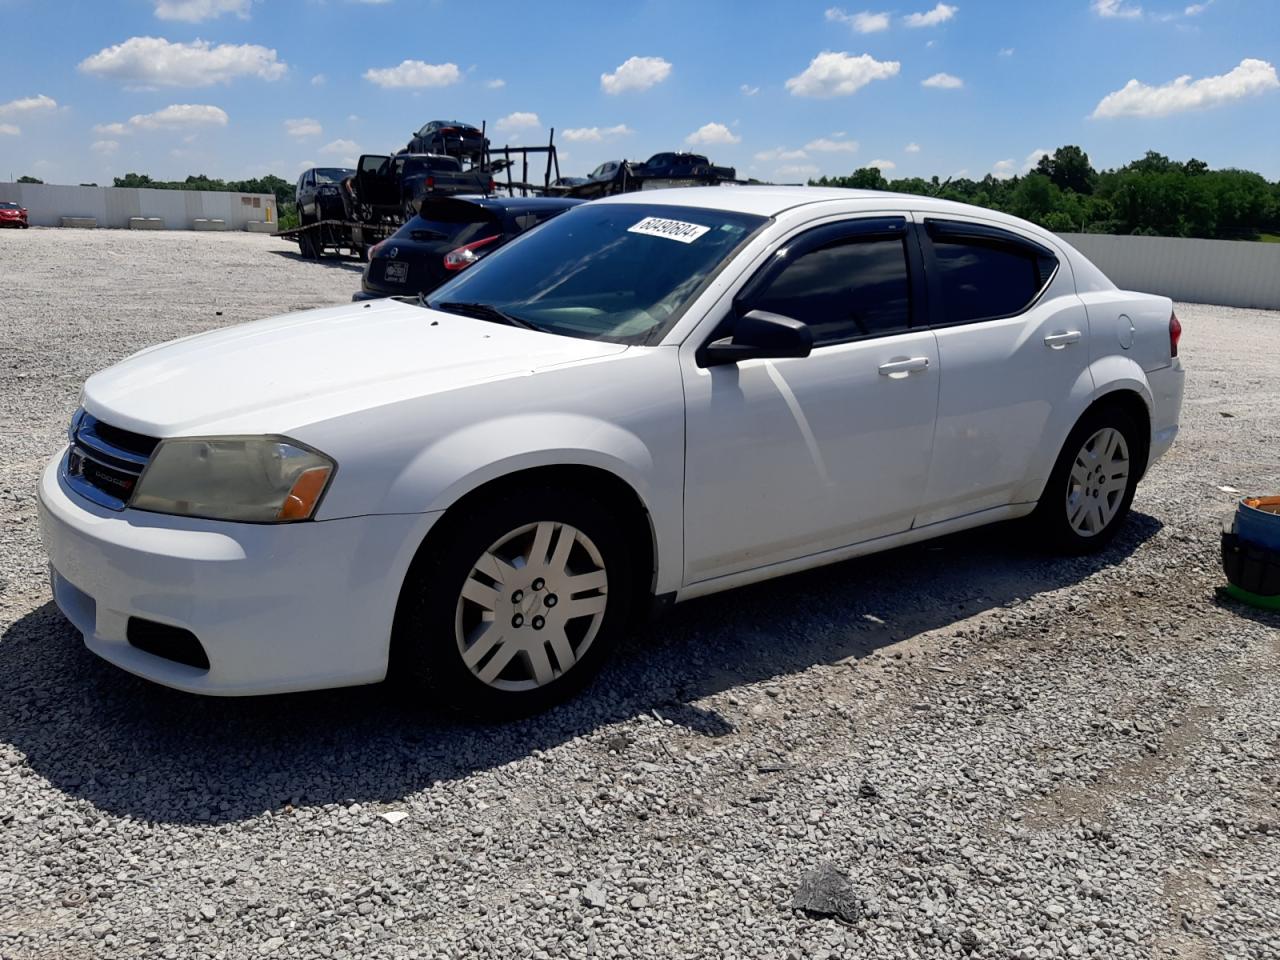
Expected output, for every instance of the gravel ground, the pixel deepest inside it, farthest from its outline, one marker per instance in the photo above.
(1006, 755)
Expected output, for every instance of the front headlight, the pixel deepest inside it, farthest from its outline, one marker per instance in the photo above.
(250, 479)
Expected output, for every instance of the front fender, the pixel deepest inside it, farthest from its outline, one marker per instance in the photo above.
(459, 462)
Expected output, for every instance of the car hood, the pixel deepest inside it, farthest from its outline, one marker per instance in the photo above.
(276, 375)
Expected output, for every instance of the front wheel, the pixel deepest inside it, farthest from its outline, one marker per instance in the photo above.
(516, 604)
(1092, 484)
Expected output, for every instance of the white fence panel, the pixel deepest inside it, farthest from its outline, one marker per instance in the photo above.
(1231, 273)
(48, 203)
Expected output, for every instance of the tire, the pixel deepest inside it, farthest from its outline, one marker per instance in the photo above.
(531, 637)
(307, 246)
(1092, 484)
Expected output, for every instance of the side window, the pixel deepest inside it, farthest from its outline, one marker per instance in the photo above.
(985, 274)
(856, 287)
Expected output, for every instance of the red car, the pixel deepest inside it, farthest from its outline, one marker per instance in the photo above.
(12, 215)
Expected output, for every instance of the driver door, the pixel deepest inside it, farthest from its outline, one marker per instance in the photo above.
(791, 457)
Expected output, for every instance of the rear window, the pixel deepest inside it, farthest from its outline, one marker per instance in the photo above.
(8, 205)
(454, 221)
(427, 164)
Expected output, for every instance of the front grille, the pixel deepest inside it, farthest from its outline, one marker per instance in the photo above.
(105, 462)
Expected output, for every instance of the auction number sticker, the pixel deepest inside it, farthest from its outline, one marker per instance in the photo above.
(676, 230)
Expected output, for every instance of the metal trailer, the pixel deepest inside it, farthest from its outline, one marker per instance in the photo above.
(355, 235)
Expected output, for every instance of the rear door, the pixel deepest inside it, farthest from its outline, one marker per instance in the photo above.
(1013, 350)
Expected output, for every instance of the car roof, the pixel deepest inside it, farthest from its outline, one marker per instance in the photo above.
(515, 203)
(769, 201)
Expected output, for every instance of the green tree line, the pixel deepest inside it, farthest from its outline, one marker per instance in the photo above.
(282, 189)
(1153, 196)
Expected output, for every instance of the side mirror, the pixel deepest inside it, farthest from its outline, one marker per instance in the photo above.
(759, 333)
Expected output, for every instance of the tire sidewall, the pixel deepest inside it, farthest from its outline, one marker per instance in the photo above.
(1051, 511)
(425, 646)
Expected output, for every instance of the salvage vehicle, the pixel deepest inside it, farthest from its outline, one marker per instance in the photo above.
(648, 398)
(318, 195)
(448, 235)
(394, 186)
(450, 137)
(682, 166)
(13, 214)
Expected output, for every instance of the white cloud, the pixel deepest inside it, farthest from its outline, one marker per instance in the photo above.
(520, 120)
(194, 11)
(1003, 169)
(340, 146)
(1137, 99)
(864, 22)
(911, 148)
(104, 147)
(943, 81)
(1006, 51)
(1033, 158)
(931, 18)
(10, 129)
(353, 118)
(827, 145)
(414, 73)
(780, 153)
(1116, 8)
(832, 74)
(1196, 9)
(303, 127)
(800, 170)
(179, 115)
(882, 164)
(306, 165)
(155, 62)
(319, 80)
(36, 104)
(112, 129)
(497, 83)
(748, 90)
(713, 133)
(595, 134)
(635, 73)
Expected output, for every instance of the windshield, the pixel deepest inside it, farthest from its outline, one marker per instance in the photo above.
(616, 272)
(332, 174)
(8, 205)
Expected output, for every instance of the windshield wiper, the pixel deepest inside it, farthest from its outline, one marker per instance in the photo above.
(486, 311)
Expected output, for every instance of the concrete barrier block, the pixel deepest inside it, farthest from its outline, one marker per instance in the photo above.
(205, 223)
(87, 223)
(146, 223)
(260, 226)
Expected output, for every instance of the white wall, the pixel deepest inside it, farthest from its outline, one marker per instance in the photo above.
(1231, 273)
(48, 203)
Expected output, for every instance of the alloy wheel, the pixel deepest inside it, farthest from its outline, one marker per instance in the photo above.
(531, 606)
(1097, 482)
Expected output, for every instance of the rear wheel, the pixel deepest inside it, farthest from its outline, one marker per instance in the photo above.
(516, 605)
(1093, 482)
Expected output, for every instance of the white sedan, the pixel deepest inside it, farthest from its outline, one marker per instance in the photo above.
(650, 398)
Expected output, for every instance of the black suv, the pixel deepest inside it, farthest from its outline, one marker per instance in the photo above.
(451, 138)
(318, 195)
(447, 236)
(682, 166)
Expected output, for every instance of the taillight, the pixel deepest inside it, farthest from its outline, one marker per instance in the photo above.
(464, 257)
(493, 185)
(431, 183)
(1175, 334)
(373, 251)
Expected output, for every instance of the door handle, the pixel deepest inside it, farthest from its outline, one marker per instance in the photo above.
(1057, 341)
(895, 368)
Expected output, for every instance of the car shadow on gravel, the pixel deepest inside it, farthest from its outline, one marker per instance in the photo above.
(328, 260)
(132, 748)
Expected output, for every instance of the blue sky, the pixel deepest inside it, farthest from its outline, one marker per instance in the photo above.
(239, 88)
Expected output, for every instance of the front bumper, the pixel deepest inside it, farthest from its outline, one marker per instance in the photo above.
(276, 607)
